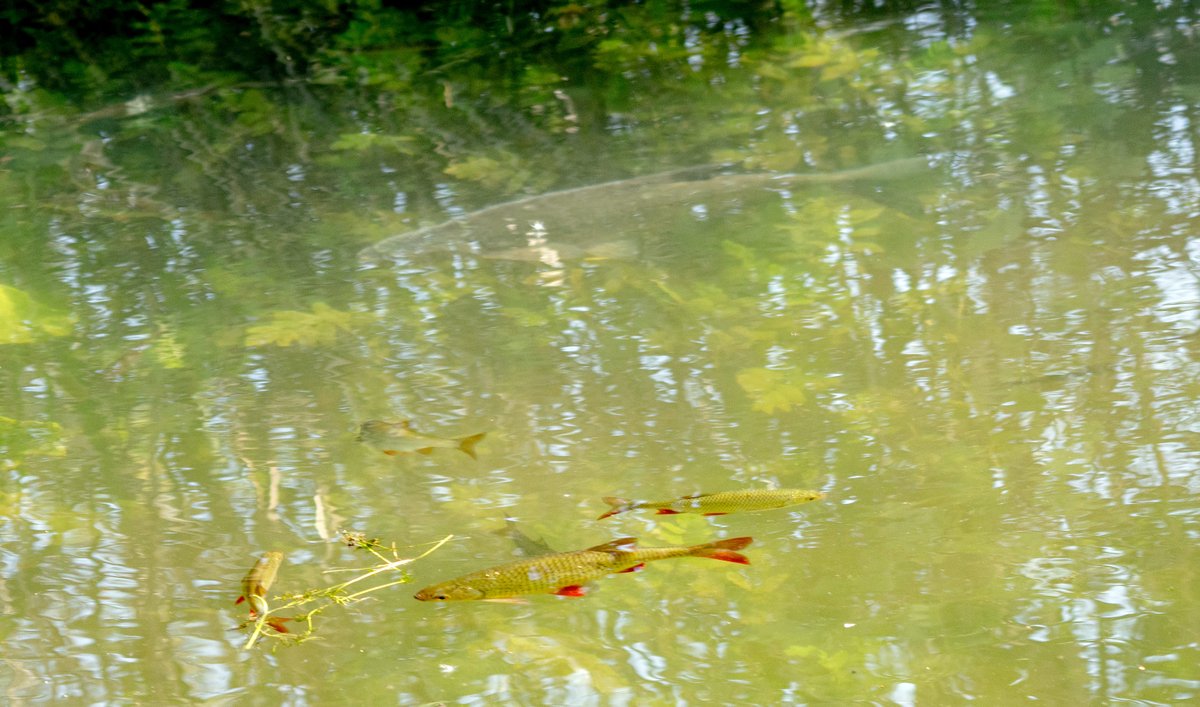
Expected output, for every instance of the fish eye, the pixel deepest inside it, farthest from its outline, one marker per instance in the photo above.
(440, 597)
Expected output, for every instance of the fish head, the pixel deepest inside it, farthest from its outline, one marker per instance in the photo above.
(449, 591)
(371, 428)
(377, 430)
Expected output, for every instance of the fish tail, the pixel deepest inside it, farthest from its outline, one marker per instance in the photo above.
(467, 444)
(723, 550)
(619, 505)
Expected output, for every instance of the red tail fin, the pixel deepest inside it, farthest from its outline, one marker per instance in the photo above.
(467, 444)
(724, 550)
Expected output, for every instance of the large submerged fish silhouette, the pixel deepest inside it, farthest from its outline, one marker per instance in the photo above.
(588, 221)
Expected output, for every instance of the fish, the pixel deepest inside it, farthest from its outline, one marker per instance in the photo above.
(717, 504)
(394, 438)
(255, 585)
(556, 254)
(258, 580)
(627, 206)
(526, 545)
(566, 573)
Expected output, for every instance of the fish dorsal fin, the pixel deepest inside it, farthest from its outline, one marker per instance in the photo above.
(618, 545)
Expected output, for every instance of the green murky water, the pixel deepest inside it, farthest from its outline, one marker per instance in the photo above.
(988, 364)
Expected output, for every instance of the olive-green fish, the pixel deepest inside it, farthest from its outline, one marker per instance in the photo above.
(566, 573)
(718, 504)
(394, 438)
(255, 585)
(258, 580)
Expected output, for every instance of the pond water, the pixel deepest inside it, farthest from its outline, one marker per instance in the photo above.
(986, 361)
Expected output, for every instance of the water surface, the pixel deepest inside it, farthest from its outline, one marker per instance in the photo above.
(989, 367)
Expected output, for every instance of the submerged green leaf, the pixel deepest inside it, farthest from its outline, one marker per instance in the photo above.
(22, 319)
(365, 142)
(493, 174)
(320, 326)
(168, 351)
(771, 390)
(19, 438)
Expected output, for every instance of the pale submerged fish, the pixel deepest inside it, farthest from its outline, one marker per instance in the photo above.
(393, 438)
(548, 226)
(525, 544)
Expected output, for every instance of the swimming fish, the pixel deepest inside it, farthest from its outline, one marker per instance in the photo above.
(526, 545)
(717, 504)
(566, 573)
(394, 438)
(255, 585)
(258, 580)
(639, 204)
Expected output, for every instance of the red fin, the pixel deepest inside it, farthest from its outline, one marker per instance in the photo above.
(240, 600)
(728, 556)
(390, 452)
(467, 444)
(724, 550)
(636, 568)
(573, 590)
(277, 623)
(732, 543)
(666, 512)
(716, 514)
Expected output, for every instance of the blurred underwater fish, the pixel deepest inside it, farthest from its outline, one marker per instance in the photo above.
(555, 254)
(255, 585)
(570, 218)
(394, 438)
(526, 545)
(566, 573)
(716, 504)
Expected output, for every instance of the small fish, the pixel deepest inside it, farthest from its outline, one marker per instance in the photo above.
(255, 585)
(394, 438)
(566, 573)
(526, 545)
(718, 504)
